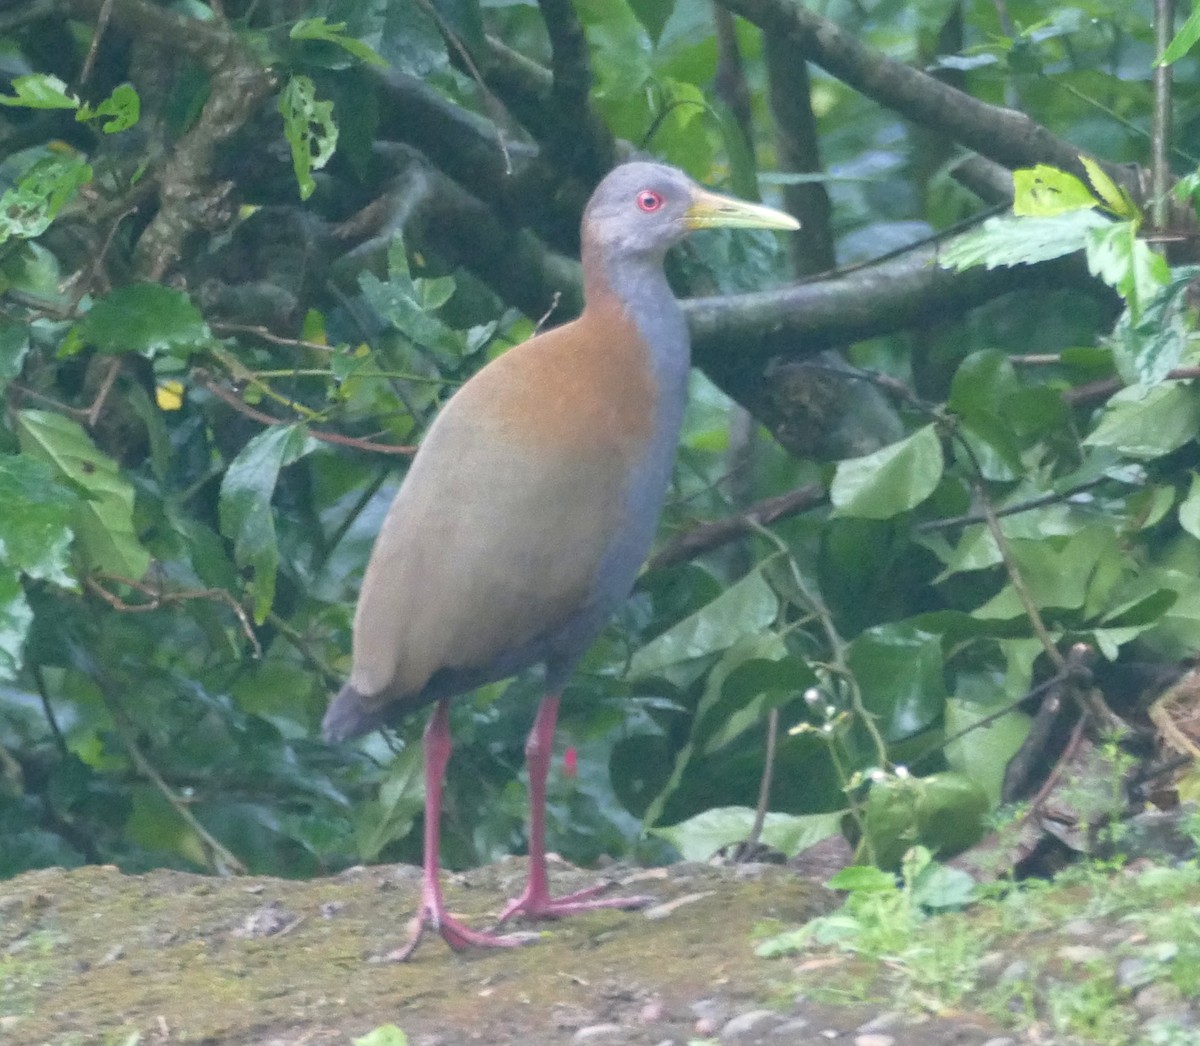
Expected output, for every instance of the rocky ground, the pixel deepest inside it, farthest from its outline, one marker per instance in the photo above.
(94, 956)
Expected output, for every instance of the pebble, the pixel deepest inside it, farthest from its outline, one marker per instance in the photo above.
(1135, 973)
(1157, 999)
(1002, 1040)
(714, 1011)
(1079, 928)
(1017, 970)
(793, 1027)
(752, 1023)
(1083, 953)
(874, 1039)
(885, 1021)
(651, 1012)
(661, 911)
(600, 1033)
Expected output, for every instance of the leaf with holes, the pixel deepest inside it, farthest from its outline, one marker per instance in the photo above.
(309, 128)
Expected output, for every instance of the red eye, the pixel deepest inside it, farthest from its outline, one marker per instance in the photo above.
(649, 201)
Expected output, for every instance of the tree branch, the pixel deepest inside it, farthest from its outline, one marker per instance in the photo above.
(1004, 135)
(707, 536)
(584, 146)
(790, 98)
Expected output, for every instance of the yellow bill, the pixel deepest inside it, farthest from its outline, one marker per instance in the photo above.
(710, 210)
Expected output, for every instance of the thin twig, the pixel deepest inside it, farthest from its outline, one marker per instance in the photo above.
(89, 62)
(1160, 133)
(764, 785)
(293, 636)
(82, 287)
(1010, 510)
(275, 339)
(988, 719)
(39, 680)
(1085, 395)
(106, 384)
(232, 399)
(494, 105)
(548, 313)
(220, 858)
(837, 646)
(706, 536)
(1006, 555)
(159, 597)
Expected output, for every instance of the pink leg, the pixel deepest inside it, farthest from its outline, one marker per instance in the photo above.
(432, 913)
(536, 901)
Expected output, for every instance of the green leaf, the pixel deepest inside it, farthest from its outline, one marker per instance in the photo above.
(899, 671)
(1189, 508)
(103, 519)
(411, 42)
(983, 753)
(391, 816)
(1148, 346)
(245, 505)
(1127, 264)
(409, 304)
(939, 888)
(27, 209)
(40, 91)
(1010, 240)
(14, 347)
(863, 878)
(384, 1035)
(950, 812)
(309, 128)
(743, 609)
(1115, 198)
(653, 14)
(15, 619)
(147, 318)
(944, 812)
(1043, 192)
(334, 33)
(890, 481)
(982, 380)
(1184, 40)
(1057, 574)
(35, 528)
(121, 110)
(1147, 423)
(699, 837)
(769, 677)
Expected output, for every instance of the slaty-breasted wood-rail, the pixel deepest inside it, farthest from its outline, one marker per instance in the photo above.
(530, 507)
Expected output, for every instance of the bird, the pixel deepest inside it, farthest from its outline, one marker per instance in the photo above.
(528, 511)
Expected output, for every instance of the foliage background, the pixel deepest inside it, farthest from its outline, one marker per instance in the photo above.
(246, 251)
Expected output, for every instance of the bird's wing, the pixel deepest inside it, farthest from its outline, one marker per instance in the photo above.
(497, 534)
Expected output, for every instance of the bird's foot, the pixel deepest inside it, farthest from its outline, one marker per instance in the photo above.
(459, 937)
(538, 904)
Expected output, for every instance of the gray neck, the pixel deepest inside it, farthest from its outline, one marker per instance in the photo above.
(640, 285)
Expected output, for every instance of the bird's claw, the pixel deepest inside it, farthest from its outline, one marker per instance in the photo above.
(455, 934)
(542, 906)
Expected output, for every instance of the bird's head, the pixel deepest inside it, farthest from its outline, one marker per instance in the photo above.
(645, 208)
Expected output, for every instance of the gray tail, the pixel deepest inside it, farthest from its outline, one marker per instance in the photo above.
(350, 715)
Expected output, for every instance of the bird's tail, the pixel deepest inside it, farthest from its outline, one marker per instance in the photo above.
(350, 715)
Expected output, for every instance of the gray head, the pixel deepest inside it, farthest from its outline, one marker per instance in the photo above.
(641, 209)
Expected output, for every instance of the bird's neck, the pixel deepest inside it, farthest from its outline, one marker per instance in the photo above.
(637, 286)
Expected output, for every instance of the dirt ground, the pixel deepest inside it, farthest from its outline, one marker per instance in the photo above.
(95, 956)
